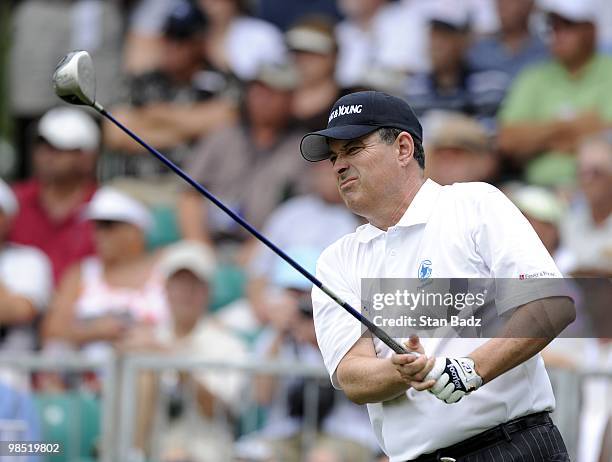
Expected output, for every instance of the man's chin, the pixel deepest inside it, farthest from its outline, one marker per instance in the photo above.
(353, 202)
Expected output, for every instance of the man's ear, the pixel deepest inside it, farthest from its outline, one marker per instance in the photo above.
(405, 146)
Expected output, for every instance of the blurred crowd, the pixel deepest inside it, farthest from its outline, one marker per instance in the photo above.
(124, 257)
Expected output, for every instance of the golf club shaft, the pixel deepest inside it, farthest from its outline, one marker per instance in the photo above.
(377, 331)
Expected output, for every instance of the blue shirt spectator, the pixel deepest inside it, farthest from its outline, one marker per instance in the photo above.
(19, 419)
(491, 54)
(451, 85)
(506, 53)
(284, 14)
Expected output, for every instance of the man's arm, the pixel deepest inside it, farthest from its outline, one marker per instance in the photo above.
(14, 308)
(167, 125)
(192, 217)
(532, 327)
(523, 140)
(365, 378)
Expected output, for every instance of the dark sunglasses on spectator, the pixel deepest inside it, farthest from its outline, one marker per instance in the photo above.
(106, 224)
(592, 171)
(556, 22)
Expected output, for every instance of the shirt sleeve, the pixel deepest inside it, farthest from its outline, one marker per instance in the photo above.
(337, 331)
(200, 163)
(30, 276)
(522, 268)
(521, 101)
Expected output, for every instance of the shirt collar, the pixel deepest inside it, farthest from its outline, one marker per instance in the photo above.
(418, 212)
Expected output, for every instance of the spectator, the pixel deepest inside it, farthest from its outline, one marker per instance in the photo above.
(459, 150)
(514, 47)
(251, 167)
(311, 221)
(142, 51)
(116, 295)
(238, 43)
(201, 400)
(451, 85)
(374, 35)
(313, 45)
(552, 106)
(587, 228)
(285, 14)
(50, 203)
(19, 419)
(60, 26)
(293, 340)
(175, 104)
(25, 284)
(544, 211)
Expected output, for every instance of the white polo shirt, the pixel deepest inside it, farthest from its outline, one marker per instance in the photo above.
(466, 230)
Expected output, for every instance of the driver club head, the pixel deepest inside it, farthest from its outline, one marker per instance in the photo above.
(74, 79)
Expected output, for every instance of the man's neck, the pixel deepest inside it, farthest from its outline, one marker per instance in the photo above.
(395, 211)
(601, 210)
(515, 39)
(264, 136)
(185, 328)
(448, 79)
(575, 67)
(60, 198)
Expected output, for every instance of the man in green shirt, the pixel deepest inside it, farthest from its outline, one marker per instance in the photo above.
(553, 105)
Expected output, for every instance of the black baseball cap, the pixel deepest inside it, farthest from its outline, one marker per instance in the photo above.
(358, 114)
(184, 21)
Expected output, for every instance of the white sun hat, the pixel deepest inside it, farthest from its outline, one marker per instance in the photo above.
(68, 129)
(111, 204)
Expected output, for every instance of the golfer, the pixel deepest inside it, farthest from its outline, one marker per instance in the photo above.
(488, 399)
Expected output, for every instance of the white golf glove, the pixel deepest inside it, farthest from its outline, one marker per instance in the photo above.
(455, 378)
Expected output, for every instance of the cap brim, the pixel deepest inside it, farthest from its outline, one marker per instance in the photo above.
(314, 147)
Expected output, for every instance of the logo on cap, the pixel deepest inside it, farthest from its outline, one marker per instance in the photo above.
(345, 110)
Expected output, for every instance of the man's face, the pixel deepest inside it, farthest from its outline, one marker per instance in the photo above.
(447, 48)
(55, 165)
(514, 14)
(180, 56)
(366, 170)
(268, 106)
(314, 67)
(570, 40)
(187, 296)
(595, 171)
(114, 239)
(448, 165)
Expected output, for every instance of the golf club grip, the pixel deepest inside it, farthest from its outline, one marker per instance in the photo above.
(377, 331)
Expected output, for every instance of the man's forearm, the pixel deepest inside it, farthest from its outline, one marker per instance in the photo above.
(15, 309)
(370, 380)
(522, 141)
(499, 355)
(532, 327)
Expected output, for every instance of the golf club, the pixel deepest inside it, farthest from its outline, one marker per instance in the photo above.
(74, 81)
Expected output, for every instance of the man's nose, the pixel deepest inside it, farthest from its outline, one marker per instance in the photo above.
(340, 166)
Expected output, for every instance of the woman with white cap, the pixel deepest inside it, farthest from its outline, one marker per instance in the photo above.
(115, 298)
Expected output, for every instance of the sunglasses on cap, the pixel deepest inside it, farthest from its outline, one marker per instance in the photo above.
(556, 22)
(106, 224)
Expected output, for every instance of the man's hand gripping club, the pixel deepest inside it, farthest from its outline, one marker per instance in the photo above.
(449, 379)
